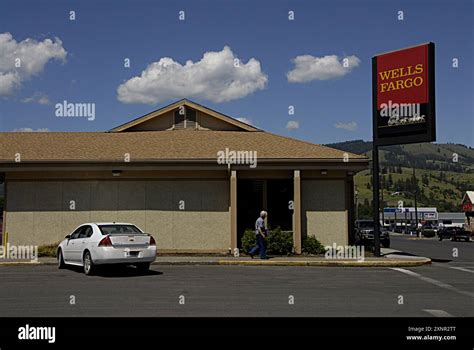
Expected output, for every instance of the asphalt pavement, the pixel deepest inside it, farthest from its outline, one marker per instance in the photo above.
(444, 288)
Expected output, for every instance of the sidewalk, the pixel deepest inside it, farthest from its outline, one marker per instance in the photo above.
(389, 259)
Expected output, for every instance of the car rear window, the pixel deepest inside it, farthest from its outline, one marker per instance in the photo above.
(118, 229)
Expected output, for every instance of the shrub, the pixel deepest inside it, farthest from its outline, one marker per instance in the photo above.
(49, 250)
(312, 246)
(278, 242)
(248, 240)
(428, 233)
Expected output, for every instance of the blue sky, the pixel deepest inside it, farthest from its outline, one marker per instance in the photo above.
(106, 32)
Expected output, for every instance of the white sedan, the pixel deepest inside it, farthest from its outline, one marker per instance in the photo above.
(95, 244)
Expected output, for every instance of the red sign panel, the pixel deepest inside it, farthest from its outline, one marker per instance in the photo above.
(402, 76)
(467, 206)
(403, 92)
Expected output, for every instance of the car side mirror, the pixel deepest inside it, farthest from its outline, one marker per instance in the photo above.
(68, 237)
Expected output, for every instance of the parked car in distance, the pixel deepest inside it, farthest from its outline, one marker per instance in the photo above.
(449, 224)
(95, 244)
(430, 226)
(454, 233)
(364, 233)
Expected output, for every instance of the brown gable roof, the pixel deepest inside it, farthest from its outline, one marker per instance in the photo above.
(157, 146)
(184, 102)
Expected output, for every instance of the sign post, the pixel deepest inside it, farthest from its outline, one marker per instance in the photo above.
(403, 107)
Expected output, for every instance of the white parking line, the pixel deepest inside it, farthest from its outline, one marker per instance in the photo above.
(433, 281)
(461, 269)
(438, 313)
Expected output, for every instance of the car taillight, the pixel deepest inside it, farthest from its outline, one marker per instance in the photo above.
(105, 242)
(152, 241)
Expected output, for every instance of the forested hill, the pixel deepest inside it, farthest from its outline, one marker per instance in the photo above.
(429, 156)
(443, 173)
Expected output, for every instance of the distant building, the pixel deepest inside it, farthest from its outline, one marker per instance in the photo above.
(401, 217)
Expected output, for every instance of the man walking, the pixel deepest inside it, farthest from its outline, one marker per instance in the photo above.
(261, 235)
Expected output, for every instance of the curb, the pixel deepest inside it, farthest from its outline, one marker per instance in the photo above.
(13, 263)
(332, 263)
(320, 263)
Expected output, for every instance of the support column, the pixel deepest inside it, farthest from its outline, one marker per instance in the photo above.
(233, 210)
(297, 211)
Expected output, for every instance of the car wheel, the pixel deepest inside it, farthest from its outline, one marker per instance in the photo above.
(143, 267)
(61, 264)
(386, 244)
(89, 268)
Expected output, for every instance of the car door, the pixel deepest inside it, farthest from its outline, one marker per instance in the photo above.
(68, 248)
(81, 242)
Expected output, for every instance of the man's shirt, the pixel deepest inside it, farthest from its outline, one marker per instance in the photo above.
(259, 223)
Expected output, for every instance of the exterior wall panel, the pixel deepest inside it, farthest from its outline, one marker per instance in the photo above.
(39, 212)
(324, 213)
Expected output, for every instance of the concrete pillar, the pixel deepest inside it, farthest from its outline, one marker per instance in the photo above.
(297, 211)
(233, 210)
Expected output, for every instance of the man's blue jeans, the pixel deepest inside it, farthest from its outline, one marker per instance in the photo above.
(261, 246)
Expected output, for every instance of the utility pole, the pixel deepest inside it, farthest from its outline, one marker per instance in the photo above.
(416, 206)
(381, 194)
(376, 197)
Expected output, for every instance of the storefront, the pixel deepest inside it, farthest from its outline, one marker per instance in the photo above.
(162, 172)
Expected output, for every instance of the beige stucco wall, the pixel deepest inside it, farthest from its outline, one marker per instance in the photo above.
(39, 212)
(324, 213)
(164, 122)
(207, 122)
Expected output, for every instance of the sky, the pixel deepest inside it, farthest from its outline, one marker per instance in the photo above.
(318, 62)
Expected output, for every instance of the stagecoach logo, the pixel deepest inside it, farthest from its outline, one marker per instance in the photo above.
(401, 113)
(37, 333)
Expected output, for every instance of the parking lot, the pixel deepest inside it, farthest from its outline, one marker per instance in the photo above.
(444, 288)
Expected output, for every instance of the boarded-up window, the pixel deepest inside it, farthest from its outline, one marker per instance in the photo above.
(190, 118)
(184, 118)
(179, 117)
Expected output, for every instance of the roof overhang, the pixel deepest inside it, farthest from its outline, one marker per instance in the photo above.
(354, 165)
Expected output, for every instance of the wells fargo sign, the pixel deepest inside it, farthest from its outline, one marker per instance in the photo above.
(404, 96)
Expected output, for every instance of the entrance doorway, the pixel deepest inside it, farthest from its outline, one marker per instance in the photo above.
(272, 195)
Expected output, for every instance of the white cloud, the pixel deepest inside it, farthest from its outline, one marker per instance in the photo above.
(292, 125)
(31, 130)
(350, 126)
(308, 68)
(213, 78)
(37, 97)
(31, 54)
